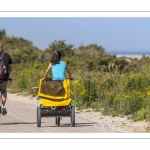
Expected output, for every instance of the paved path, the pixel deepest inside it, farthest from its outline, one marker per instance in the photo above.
(21, 118)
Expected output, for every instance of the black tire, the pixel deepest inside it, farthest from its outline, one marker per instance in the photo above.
(58, 121)
(0, 109)
(38, 116)
(72, 116)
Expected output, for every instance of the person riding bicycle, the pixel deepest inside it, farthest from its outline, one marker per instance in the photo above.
(58, 68)
(4, 82)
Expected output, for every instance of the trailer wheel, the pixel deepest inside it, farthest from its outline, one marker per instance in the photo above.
(38, 116)
(72, 116)
(58, 121)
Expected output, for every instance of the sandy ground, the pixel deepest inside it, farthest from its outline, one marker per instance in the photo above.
(122, 124)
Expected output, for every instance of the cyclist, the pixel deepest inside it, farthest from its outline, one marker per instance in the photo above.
(58, 68)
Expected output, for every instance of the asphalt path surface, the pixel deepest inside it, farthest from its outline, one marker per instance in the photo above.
(21, 118)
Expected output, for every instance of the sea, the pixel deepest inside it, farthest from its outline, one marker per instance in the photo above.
(130, 54)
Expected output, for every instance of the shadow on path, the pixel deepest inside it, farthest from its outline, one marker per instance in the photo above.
(69, 125)
(14, 123)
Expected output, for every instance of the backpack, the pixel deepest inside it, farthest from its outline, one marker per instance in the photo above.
(3, 69)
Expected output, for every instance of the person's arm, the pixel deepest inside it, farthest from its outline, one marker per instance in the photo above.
(9, 70)
(69, 73)
(47, 71)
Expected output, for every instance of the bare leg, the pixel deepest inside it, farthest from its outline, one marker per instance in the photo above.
(4, 97)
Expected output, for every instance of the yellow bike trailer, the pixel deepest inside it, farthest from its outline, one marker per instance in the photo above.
(55, 100)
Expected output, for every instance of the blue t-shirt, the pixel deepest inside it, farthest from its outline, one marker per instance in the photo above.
(58, 71)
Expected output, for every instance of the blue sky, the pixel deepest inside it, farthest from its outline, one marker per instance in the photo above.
(115, 34)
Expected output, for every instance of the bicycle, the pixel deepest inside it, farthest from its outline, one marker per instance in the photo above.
(53, 104)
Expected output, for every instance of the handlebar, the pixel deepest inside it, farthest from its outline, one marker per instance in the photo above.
(10, 79)
(50, 79)
(70, 79)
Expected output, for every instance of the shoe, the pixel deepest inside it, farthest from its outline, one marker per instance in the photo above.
(4, 111)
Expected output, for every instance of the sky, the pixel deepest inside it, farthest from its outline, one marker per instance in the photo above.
(115, 34)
